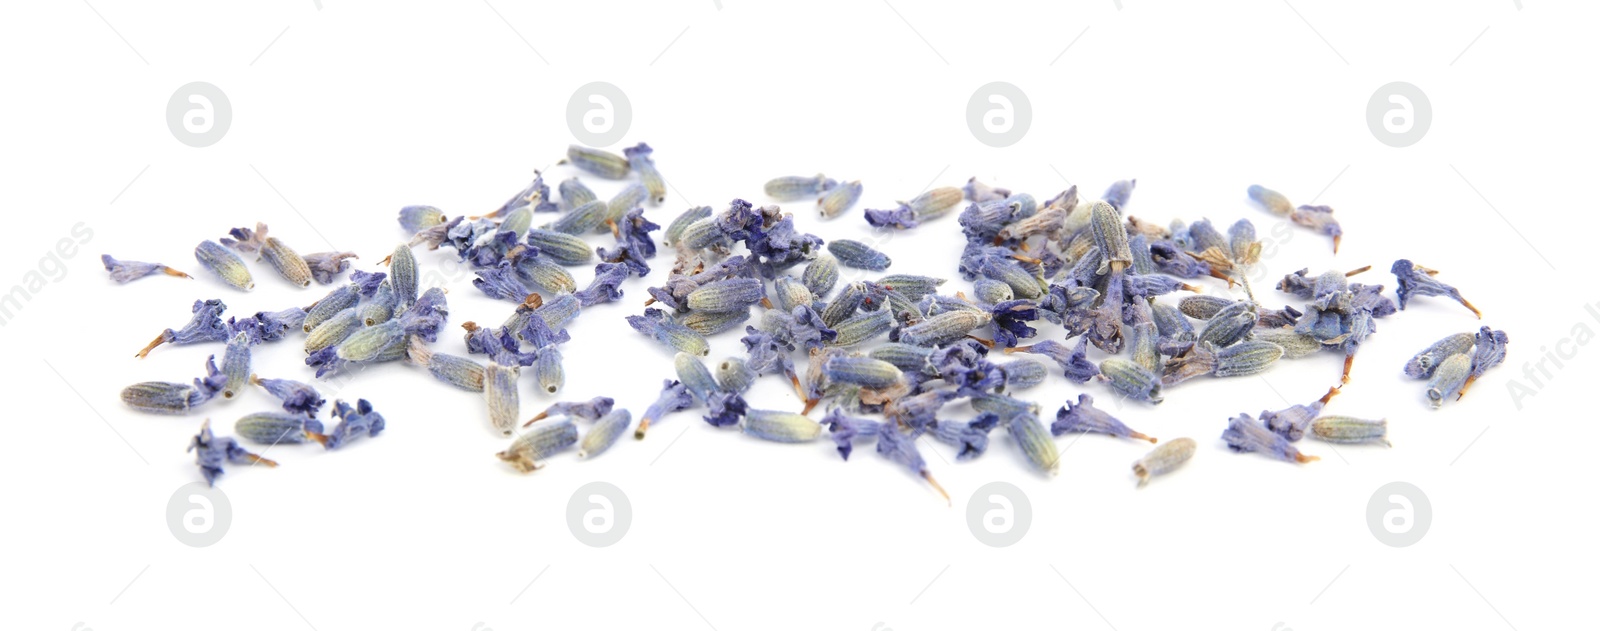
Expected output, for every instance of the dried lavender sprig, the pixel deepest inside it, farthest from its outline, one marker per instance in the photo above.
(128, 271)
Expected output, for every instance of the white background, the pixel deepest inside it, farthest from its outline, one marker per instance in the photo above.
(344, 112)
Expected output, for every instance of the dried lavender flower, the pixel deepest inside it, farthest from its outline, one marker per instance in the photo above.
(574, 193)
(1448, 378)
(403, 276)
(1085, 417)
(1203, 306)
(380, 308)
(333, 331)
(1035, 441)
(160, 397)
(1246, 434)
(844, 430)
(861, 328)
(500, 391)
(1246, 358)
(560, 247)
(674, 396)
(1488, 351)
(734, 375)
(639, 158)
(225, 264)
(297, 397)
(1022, 373)
(1418, 281)
(901, 449)
(604, 433)
(1163, 459)
(211, 452)
(589, 410)
(708, 323)
(790, 188)
(271, 428)
(205, 325)
(1422, 365)
(547, 370)
(414, 219)
(839, 199)
(584, 218)
(858, 255)
(1291, 422)
(694, 376)
(597, 162)
(1131, 379)
(236, 365)
(528, 452)
(820, 275)
(673, 235)
(943, 328)
(656, 324)
(1117, 194)
(1273, 201)
(127, 271)
(779, 426)
(1348, 430)
(1074, 362)
(501, 282)
(286, 261)
(721, 296)
(862, 371)
(970, 438)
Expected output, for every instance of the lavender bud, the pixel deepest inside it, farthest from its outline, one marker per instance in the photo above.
(943, 328)
(794, 187)
(225, 264)
(629, 198)
(1202, 306)
(694, 376)
(1246, 358)
(673, 235)
(639, 158)
(789, 293)
(1291, 422)
(1164, 458)
(1347, 430)
(528, 452)
(1085, 417)
(861, 328)
(858, 255)
(1417, 280)
(1131, 379)
(726, 295)
(1023, 373)
(574, 193)
(1295, 345)
(862, 371)
(1448, 378)
(333, 331)
(500, 391)
(380, 308)
(565, 249)
(547, 370)
(1273, 201)
(584, 218)
(734, 375)
(414, 219)
(597, 162)
(839, 199)
(906, 357)
(590, 410)
(777, 426)
(211, 452)
(604, 433)
(403, 276)
(236, 365)
(708, 323)
(820, 275)
(271, 428)
(287, 262)
(1036, 444)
